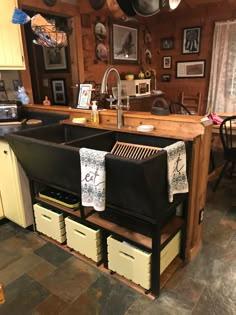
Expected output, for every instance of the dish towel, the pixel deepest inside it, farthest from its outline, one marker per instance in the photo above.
(176, 169)
(93, 177)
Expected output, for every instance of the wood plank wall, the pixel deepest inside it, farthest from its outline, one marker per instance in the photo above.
(160, 26)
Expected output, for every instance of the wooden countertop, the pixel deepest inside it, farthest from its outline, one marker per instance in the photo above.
(185, 127)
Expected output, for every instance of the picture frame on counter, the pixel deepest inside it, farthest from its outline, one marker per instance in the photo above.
(191, 40)
(190, 69)
(84, 97)
(124, 44)
(166, 62)
(58, 91)
(54, 58)
(166, 77)
(167, 43)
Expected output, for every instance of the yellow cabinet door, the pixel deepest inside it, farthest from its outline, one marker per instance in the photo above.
(14, 188)
(11, 52)
(1, 207)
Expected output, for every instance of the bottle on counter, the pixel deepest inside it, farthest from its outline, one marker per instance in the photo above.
(46, 101)
(94, 114)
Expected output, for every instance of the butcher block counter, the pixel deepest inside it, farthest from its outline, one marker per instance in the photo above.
(185, 127)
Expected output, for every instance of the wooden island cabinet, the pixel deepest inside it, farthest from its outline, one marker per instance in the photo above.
(191, 128)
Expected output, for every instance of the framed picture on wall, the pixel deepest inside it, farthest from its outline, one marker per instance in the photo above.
(167, 43)
(54, 58)
(165, 77)
(191, 40)
(166, 62)
(124, 43)
(191, 69)
(59, 92)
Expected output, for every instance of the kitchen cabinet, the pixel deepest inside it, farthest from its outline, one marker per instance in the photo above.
(1, 207)
(14, 188)
(11, 52)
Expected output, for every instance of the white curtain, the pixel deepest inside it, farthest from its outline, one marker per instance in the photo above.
(222, 87)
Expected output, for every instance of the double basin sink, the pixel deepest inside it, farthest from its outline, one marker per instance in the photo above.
(50, 155)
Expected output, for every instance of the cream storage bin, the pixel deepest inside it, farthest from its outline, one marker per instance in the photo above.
(49, 222)
(84, 239)
(129, 261)
(170, 251)
(135, 264)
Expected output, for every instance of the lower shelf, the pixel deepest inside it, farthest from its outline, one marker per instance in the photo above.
(165, 276)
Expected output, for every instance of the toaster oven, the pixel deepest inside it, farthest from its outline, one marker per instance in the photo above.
(138, 87)
(9, 111)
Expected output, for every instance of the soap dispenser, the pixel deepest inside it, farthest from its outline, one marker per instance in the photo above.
(94, 114)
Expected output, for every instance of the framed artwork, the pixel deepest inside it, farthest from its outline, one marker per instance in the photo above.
(54, 58)
(191, 40)
(124, 44)
(167, 43)
(166, 62)
(191, 69)
(165, 77)
(58, 91)
(84, 96)
(16, 84)
(2, 86)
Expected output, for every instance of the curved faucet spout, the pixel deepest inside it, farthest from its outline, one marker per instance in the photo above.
(104, 90)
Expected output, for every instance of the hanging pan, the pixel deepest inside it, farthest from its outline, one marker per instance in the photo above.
(127, 7)
(146, 7)
(97, 4)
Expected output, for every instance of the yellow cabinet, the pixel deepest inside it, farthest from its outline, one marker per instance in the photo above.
(11, 52)
(1, 208)
(14, 187)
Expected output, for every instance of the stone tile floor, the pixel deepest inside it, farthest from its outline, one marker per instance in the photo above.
(43, 279)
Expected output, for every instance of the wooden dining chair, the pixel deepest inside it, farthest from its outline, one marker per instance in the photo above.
(192, 102)
(229, 146)
(178, 108)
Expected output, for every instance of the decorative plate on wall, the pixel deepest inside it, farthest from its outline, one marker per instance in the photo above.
(100, 31)
(101, 52)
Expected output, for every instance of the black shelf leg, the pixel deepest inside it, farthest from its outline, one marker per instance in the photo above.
(155, 260)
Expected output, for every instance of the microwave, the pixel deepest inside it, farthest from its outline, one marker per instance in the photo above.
(136, 87)
(9, 111)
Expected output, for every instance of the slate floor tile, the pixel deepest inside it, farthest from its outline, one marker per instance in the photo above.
(53, 305)
(7, 230)
(71, 279)
(168, 303)
(214, 302)
(18, 268)
(22, 296)
(53, 254)
(190, 289)
(105, 296)
(41, 271)
(8, 256)
(24, 242)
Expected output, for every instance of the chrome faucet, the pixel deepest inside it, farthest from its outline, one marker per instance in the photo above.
(119, 105)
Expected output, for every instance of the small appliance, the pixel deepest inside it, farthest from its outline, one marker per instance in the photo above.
(10, 111)
(136, 87)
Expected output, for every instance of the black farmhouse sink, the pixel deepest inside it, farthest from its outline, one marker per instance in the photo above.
(136, 187)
